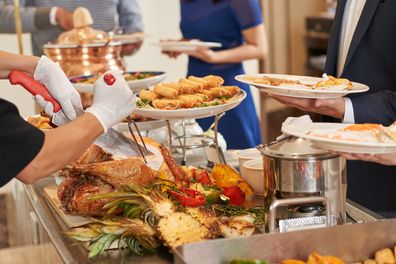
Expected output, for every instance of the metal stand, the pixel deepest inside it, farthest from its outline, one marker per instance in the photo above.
(181, 141)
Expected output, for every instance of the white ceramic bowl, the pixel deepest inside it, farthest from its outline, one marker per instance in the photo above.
(254, 174)
(246, 155)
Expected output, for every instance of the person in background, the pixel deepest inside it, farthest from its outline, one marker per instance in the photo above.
(238, 26)
(362, 49)
(28, 153)
(46, 19)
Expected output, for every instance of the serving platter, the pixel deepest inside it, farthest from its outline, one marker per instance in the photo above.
(191, 113)
(186, 45)
(337, 145)
(129, 38)
(142, 125)
(135, 85)
(301, 91)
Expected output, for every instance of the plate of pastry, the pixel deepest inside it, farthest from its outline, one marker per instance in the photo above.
(186, 45)
(136, 80)
(303, 86)
(356, 138)
(189, 98)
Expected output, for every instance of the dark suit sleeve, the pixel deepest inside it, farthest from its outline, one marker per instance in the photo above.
(378, 107)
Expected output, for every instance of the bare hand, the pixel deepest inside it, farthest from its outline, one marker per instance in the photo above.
(204, 54)
(130, 49)
(64, 18)
(329, 107)
(385, 159)
(172, 54)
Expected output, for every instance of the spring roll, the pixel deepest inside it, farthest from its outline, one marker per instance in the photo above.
(231, 90)
(202, 96)
(167, 104)
(199, 80)
(166, 91)
(173, 85)
(148, 95)
(190, 87)
(188, 100)
(216, 92)
(213, 80)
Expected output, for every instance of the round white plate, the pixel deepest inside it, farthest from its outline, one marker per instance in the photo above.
(301, 91)
(186, 45)
(301, 130)
(129, 38)
(135, 85)
(192, 113)
(143, 126)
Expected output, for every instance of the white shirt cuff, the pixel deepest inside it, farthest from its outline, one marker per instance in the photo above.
(52, 16)
(349, 115)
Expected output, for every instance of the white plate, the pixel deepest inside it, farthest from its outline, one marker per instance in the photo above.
(135, 85)
(192, 113)
(300, 91)
(301, 130)
(143, 126)
(129, 38)
(186, 45)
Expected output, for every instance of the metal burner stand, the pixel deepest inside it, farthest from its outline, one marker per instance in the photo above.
(205, 140)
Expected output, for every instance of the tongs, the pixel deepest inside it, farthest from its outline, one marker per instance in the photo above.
(113, 141)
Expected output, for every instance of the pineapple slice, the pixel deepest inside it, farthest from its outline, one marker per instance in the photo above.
(206, 216)
(239, 226)
(179, 228)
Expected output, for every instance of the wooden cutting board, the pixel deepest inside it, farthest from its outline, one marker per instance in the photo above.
(70, 220)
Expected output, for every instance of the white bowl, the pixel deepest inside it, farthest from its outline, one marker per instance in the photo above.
(254, 174)
(246, 155)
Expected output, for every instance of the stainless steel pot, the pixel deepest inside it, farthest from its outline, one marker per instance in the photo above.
(293, 168)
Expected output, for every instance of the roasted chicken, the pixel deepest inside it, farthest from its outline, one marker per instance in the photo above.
(96, 173)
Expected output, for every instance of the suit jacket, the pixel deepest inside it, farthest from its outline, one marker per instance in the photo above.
(371, 60)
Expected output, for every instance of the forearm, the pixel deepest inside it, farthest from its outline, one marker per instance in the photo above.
(239, 54)
(62, 146)
(9, 62)
(32, 18)
(130, 18)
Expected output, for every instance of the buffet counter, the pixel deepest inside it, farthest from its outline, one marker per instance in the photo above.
(69, 252)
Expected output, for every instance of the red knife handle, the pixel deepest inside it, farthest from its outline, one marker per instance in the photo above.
(33, 87)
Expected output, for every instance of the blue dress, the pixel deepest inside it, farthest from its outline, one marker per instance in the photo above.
(224, 22)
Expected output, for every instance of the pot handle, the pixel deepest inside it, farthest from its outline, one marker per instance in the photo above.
(296, 201)
(262, 147)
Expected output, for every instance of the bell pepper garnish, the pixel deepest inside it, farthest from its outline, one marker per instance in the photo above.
(236, 195)
(188, 197)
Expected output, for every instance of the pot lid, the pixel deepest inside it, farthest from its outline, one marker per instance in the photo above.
(293, 148)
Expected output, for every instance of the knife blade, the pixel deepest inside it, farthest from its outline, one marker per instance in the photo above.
(113, 141)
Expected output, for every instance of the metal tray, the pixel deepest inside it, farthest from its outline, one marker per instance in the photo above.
(351, 242)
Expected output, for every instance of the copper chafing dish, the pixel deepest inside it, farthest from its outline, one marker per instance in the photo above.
(84, 50)
(87, 58)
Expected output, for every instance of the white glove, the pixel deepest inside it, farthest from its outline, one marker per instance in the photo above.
(58, 85)
(305, 119)
(113, 100)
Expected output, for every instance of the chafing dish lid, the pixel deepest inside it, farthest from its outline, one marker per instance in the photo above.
(293, 148)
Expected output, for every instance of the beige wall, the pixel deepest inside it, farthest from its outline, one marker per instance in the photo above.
(161, 19)
(286, 31)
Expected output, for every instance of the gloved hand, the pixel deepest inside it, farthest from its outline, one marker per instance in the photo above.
(113, 100)
(58, 85)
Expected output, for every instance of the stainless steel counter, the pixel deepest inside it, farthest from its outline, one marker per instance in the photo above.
(74, 253)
